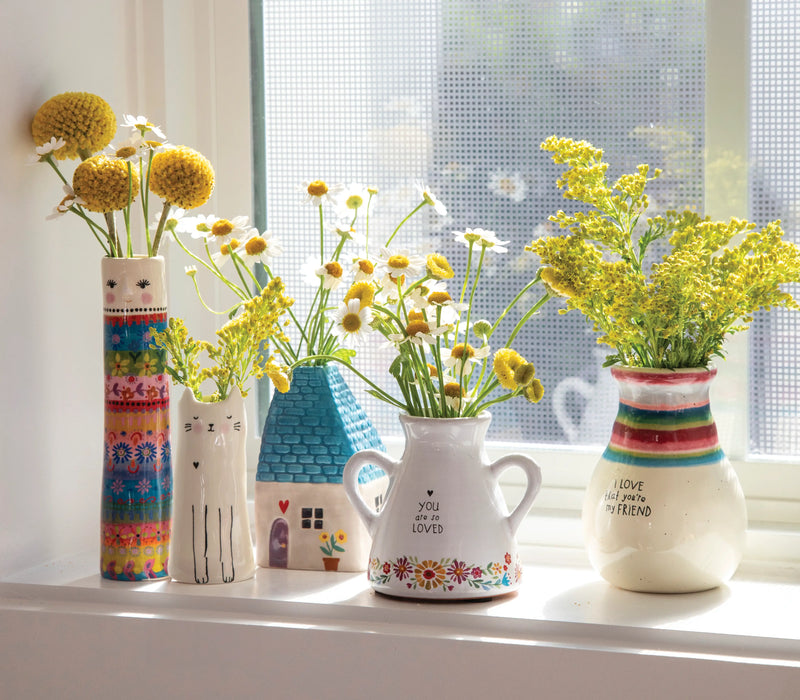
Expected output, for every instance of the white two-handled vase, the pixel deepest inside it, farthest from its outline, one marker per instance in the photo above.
(443, 531)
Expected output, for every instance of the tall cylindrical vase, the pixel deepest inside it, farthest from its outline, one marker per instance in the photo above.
(664, 511)
(137, 475)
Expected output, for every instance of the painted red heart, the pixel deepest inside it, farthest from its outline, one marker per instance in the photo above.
(284, 505)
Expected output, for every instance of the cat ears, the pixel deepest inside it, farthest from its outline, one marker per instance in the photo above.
(188, 399)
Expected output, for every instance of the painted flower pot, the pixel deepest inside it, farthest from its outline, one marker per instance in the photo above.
(210, 526)
(310, 433)
(444, 532)
(664, 511)
(137, 475)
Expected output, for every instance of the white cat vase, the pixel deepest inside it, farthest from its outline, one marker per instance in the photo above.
(211, 528)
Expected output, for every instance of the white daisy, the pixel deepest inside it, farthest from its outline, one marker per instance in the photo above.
(352, 198)
(46, 148)
(509, 186)
(466, 353)
(363, 270)
(352, 323)
(419, 331)
(399, 262)
(429, 198)
(488, 239)
(418, 297)
(319, 191)
(331, 274)
(257, 247)
(141, 124)
(64, 205)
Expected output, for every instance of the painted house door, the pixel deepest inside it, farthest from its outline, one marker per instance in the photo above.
(279, 544)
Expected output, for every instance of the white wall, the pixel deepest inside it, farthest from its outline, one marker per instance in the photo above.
(51, 360)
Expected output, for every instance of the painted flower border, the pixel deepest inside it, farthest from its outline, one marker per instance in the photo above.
(448, 574)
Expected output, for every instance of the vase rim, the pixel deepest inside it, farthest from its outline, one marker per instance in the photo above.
(481, 417)
(664, 375)
(135, 256)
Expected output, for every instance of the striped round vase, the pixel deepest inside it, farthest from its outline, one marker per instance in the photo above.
(664, 511)
(137, 478)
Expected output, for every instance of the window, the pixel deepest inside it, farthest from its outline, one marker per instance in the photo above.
(463, 92)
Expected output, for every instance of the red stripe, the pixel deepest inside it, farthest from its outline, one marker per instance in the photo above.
(663, 377)
(625, 436)
(130, 319)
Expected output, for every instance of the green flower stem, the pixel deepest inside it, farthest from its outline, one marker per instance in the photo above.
(527, 316)
(400, 225)
(126, 212)
(160, 229)
(213, 269)
(94, 228)
(375, 388)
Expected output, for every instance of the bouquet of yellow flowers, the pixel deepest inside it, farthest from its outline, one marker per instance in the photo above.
(80, 125)
(671, 313)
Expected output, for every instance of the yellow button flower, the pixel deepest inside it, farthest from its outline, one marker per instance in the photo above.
(182, 176)
(84, 121)
(105, 184)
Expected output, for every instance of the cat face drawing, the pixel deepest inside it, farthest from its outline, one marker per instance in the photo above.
(211, 529)
(133, 285)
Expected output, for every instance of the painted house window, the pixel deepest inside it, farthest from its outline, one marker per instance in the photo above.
(312, 518)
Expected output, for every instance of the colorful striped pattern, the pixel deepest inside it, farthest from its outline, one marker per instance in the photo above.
(681, 436)
(137, 475)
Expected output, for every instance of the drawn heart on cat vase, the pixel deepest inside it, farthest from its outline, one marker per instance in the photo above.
(210, 522)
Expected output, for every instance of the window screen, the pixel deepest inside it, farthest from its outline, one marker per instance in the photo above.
(774, 194)
(460, 95)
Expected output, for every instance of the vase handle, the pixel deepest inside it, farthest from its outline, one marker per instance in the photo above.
(350, 482)
(534, 474)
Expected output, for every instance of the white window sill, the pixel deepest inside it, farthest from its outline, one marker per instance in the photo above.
(750, 625)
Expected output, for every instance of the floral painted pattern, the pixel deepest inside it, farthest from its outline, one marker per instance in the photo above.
(446, 575)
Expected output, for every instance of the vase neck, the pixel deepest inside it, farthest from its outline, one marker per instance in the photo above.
(454, 433)
(664, 419)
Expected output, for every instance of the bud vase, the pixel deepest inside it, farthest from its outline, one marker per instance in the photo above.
(664, 511)
(210, 523)
(137, 478)
(444, 531)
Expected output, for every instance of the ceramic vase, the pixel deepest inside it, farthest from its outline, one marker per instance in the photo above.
(301, 509)
(664, 511)
(444, 531)
(137, 475)
(211, 540)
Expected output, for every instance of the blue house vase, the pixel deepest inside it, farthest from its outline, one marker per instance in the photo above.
(303, 519)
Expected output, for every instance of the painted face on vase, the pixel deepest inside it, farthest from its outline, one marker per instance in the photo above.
(132, 285)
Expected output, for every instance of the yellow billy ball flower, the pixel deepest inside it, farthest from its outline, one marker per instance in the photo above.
(438, 267)
(85, 122)
(182, 176)
(363, 291)
(506, 362)
(103, 185)
(534, 391)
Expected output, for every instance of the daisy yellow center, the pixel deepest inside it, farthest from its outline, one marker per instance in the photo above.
(471, 237)
(462, 351)
(453, 390)
(334, 269)
(439, 267)
(354, 201)
(255, 246)
(398, 262)
(125, 152)
(432, 370)
(418, 326)
(416, 316)
(317, 188)
(428, 198)
(225, 248)
(222, 227)
(351, 322)
(439, 298)
(366, 267)
(363, 291)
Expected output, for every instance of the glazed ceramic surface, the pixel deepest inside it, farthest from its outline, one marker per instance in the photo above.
(309, 434)
(444, 531)
(137, 475)
(664, 511)
(211, 527)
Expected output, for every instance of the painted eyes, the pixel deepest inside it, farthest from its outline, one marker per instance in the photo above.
(111, 284)
(142, 284)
